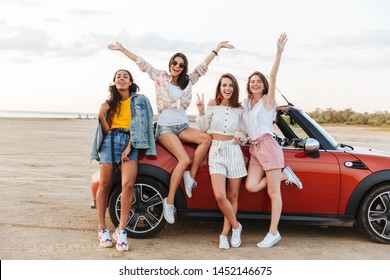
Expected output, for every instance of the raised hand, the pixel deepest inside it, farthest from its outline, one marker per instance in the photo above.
(115, 47)
(224, 44)
(200, 104)
(282, 42)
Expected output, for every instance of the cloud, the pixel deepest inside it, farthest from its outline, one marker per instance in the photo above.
(88, 13)
(368, 49)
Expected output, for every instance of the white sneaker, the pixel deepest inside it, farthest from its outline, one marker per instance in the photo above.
(104, 238)
(223, 242)
(189, 183)
(121, 240)
(236, 236)
(269, 240)
(169, 211)
(292, 178)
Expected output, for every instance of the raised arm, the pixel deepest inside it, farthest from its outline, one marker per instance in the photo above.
(215, 51)
(270, 98)
(118, 47)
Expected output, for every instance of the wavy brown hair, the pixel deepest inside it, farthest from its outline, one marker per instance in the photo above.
(233, 101)
(115, 98)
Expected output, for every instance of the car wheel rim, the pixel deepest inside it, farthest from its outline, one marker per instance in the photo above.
(146, 211)
(379, 215)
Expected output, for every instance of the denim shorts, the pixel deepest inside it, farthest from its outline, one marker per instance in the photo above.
(121, 140)
(175, 129)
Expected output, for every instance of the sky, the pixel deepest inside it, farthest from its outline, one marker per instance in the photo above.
(54, 56)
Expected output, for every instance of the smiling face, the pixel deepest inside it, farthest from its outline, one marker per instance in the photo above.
(177, 66)
(122, 80)
(257, 85)
(226, 88)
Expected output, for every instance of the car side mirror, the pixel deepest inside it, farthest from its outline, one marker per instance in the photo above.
(312, 147)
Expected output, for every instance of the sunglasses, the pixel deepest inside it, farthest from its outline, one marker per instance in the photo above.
(181, 65)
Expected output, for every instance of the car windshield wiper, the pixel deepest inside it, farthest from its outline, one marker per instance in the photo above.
(341, 145)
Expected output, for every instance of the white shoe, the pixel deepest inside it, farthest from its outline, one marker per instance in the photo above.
(269, 240)
(292, 178)
(168, 211)
(121, 240)
(104, 238)
(223, 242)
(189, 183)
(236, 236)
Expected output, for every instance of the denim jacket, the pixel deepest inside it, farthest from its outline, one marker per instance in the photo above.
(141, 128)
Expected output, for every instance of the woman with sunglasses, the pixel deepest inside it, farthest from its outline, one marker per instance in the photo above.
(173, 96)
(267, 160)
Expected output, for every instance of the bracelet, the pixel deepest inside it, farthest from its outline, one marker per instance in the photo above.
(214, 52)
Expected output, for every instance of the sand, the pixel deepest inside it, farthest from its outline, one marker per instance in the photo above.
(45, 214)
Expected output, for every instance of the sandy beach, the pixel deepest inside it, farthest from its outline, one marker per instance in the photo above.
(45, 214)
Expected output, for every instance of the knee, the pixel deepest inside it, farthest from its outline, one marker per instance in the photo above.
(185, 162)
(274, 194)
(127, 186)
(104, 187)
(206, 139)
(232, 197)
(220, 198)
(250, 187)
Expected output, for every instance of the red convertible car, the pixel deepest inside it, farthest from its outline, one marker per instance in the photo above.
(343, 185)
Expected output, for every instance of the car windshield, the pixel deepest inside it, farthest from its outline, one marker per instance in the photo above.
(323, 131)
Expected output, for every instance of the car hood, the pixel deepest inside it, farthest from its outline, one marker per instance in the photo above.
(368, 151)
(375, 160)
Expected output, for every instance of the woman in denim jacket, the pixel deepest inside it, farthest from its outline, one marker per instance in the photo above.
(126, 121)
(173, 96)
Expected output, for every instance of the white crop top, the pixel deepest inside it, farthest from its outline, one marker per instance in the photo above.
(257, 121)
(220, 119)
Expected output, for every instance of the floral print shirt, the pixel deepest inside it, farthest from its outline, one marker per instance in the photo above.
(162, 79)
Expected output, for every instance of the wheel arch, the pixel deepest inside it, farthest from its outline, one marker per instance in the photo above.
(363, 187)
(164, 177)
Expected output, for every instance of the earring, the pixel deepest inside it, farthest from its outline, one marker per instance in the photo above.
(219, 96)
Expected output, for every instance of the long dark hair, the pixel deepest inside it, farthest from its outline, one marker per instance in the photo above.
(183, 78)
(233, 101)
(263, 80)
(115, 98)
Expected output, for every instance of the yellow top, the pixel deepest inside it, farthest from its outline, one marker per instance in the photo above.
(123, 119)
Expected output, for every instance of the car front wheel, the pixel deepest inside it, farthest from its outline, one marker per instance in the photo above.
(146, 215)
(374, 214)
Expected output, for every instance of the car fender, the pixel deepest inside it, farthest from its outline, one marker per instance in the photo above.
(164, 177)
(365, 185)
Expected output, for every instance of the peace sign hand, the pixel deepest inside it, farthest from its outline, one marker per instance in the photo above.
(200, 104)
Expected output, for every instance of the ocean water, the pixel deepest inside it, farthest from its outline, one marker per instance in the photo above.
(50, 115)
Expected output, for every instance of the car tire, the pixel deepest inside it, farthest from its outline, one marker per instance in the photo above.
(374, 214)
(146, 215)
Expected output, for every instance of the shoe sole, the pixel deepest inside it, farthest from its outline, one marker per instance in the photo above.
(239, 244)
(270, 244)
(300, 186)
(165, 216)
(106, 246)
(188, 192)
(122, 250)
(223, 248)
